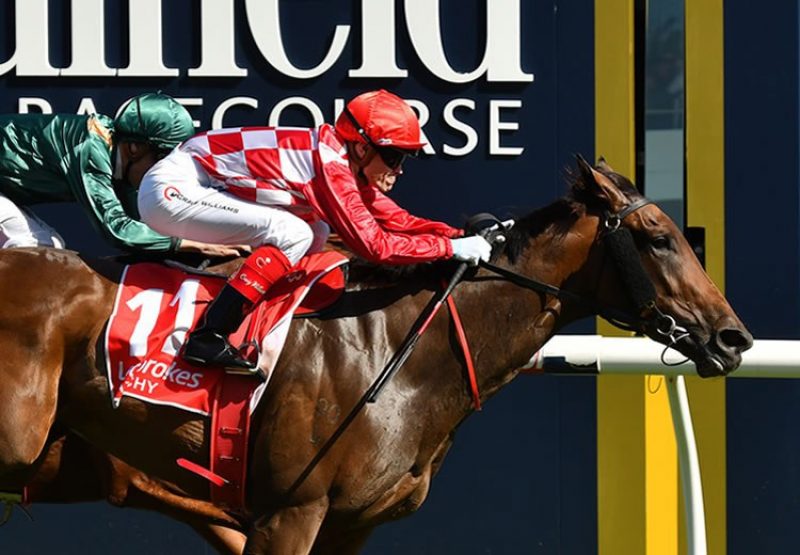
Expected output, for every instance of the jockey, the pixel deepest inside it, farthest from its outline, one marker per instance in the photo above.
(89, 159)
(279, 189)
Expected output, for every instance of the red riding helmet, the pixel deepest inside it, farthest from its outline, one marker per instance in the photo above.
(381, 119)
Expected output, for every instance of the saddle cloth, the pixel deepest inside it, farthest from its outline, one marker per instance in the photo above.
(157, 306)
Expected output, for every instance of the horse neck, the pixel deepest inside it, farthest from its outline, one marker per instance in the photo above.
(505, 323)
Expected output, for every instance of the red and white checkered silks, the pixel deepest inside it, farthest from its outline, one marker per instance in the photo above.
(307, 171)
(269, 166)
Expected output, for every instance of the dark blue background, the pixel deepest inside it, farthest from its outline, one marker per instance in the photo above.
(761, 214)
(521, 477)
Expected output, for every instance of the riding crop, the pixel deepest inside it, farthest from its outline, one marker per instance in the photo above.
(433, 306)
(492, 234)
(400, 356)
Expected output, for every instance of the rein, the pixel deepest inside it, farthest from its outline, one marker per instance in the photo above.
(640, 288)
(624, 254)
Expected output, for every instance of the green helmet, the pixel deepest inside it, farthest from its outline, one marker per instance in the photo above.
(153, 118)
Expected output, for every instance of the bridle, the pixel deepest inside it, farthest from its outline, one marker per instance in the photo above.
(622, 251)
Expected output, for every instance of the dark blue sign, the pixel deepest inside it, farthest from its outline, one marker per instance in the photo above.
(505, 92)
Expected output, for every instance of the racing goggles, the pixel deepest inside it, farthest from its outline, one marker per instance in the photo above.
(391, 156)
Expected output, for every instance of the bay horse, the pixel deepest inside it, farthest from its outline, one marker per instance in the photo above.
(602, 249)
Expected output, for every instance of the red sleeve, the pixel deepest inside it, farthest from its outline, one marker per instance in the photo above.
(393, 218)
(337, 199)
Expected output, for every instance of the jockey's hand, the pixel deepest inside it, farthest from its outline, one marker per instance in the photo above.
(472, 249)
(213, 250)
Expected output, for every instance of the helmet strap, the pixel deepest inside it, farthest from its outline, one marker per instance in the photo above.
(359, 128)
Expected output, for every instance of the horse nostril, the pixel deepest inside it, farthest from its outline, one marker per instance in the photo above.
(734, 338)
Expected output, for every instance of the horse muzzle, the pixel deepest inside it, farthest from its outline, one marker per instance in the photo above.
(718, 355)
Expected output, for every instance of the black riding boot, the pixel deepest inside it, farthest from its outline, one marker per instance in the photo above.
(208, 344)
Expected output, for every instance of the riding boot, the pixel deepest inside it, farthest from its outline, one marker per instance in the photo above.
(208, 345)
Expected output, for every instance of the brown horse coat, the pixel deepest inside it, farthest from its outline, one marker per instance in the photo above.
(381, 467)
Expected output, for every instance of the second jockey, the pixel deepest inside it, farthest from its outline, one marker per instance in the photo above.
(279, 189)
(95, 162)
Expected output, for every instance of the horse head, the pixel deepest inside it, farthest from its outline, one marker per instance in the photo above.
(620, 256)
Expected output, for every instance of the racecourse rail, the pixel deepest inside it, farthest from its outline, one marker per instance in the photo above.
(598, 355)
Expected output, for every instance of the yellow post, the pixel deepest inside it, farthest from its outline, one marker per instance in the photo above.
(636, 455)
(705, 201)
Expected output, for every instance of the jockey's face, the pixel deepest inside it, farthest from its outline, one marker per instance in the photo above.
(136, 159)
(374, 169)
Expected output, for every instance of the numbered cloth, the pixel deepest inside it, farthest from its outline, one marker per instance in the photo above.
(157, 306)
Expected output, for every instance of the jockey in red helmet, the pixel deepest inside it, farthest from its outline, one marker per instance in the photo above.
(280, 190)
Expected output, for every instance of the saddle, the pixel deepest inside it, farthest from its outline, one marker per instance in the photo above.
(157, 306)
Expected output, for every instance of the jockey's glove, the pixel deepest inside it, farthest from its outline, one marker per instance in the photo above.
(472, 249)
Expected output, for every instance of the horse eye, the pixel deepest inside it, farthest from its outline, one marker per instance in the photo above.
(660, 242)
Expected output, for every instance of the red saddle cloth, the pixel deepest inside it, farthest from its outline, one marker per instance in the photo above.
(157, 306)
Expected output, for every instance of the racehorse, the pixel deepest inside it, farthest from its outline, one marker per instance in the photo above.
(602, 249)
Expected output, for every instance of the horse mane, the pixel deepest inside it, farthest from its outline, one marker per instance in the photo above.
(557, 217)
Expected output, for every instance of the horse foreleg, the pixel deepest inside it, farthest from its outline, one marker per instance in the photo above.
(289, 530)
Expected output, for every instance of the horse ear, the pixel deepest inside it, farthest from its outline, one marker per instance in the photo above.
(586, 171)
(604, 166)
(601, 186)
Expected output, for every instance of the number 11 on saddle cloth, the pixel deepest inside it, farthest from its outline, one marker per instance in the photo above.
(157, 306)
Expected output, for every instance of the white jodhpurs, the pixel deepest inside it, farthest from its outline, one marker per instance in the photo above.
(177, 198)
(19, 227)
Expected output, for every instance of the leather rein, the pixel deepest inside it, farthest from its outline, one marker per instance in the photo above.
(639, 286)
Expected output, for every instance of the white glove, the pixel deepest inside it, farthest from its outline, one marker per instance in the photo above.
(471, 249)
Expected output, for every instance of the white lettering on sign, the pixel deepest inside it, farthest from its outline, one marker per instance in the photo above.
(469, 133)
(498, 112)
(307, 103)
(496, 126)
(31, 57)
(25, 104)
(188, 103)
(501, 59)
(218, 41)
(379, 57)
(378, 30)
(264, 19)
(86, 107)
(219, 113)
(146, 41)
(424, 114)
(88, 40)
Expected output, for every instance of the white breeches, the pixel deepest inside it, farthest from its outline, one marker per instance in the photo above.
(19, 227)
(177, 198)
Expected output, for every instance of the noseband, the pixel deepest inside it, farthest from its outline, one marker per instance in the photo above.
(641, 291)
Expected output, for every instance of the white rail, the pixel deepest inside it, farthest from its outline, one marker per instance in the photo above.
(595, 354)
(581, 354)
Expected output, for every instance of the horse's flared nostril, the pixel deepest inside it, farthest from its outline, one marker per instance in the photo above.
(734, 338)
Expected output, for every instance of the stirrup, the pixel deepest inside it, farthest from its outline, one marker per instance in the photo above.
(254, 371)
(212, 349)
